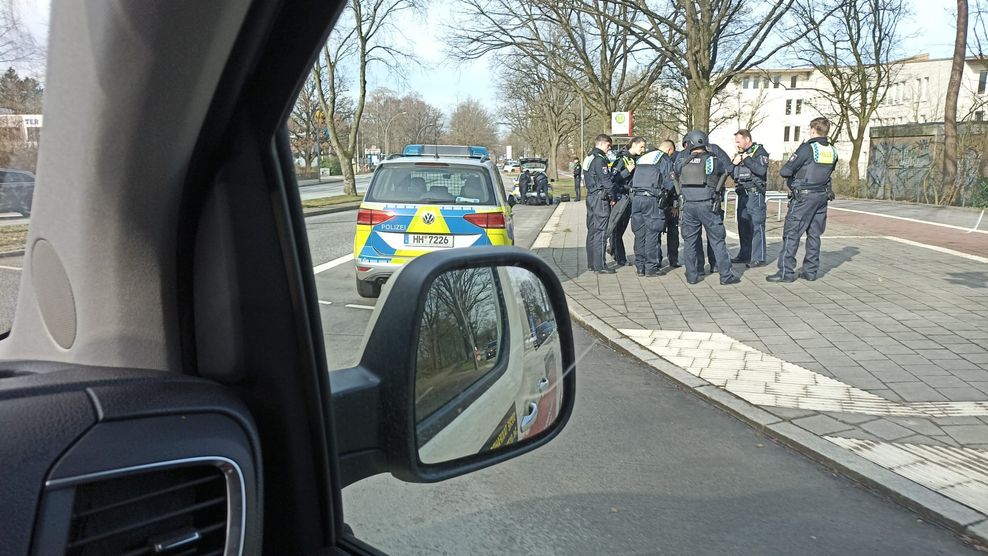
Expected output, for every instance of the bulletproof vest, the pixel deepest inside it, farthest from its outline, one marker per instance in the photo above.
(541, 180)
(647, 177)
(817, 173)
(743, 175)
(697, 177)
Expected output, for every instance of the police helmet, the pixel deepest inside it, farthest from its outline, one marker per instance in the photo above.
(695, 139)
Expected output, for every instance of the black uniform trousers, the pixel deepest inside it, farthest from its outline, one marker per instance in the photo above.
(618, 224)
(751, 224)
(696, 215)
(598, 213)
(576, 186)
(672, 237)
(807, 215)
(647, 223)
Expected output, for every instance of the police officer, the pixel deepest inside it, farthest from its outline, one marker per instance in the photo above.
(700, 175)
(577, 169)
(624, 167)
(650, 186)
(808, 172)
(524, 181)
(671, 210)
(598, 177)
(725, 162)
(541, 182)
(750, 172)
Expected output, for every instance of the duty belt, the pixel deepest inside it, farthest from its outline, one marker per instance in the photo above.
(811, 188)
(644, 193)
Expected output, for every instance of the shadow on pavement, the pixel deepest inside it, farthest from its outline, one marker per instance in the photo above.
(970, 279)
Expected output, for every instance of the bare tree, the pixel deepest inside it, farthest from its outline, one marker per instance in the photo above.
(950, 105)
(587, 48)
(304, 130)
(362, 42)
(709, 41)
(471, 124)
(539, 106)
(854, 56)
(17, 46)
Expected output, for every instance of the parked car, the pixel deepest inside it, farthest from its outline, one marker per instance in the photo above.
(16, 191)
(510, 166)
(433, 197)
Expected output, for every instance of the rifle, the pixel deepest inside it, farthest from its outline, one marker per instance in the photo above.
(718, 195)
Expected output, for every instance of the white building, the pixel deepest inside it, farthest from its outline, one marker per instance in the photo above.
(778, 104)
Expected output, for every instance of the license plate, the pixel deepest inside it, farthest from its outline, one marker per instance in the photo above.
(428, 240)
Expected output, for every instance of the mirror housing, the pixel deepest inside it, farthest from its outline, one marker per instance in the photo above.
(379, 394)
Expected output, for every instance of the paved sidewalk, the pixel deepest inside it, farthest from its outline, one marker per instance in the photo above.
(879, 368)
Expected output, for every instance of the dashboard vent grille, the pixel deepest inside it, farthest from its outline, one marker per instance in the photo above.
(172, 512)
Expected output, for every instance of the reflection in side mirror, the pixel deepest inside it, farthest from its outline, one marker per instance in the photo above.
(489, 363)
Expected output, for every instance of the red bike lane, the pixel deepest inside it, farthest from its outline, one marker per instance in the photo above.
(973, 243)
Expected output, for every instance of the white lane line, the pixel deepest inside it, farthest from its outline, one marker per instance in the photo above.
(938, 249)
(333, 263)
(957, 473)
(951, 226)
(765, 380)
(978, 223)
(321, 302)
(11, 268)
(365, 307)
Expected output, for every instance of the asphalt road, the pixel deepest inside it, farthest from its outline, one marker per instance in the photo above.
(642, 468)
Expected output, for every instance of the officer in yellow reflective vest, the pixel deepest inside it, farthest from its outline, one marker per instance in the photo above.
(808, 172)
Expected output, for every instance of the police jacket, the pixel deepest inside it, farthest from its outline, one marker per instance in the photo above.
(541, 180)
(597, 172)
(699, 172)
(811, 165)
(524, 180)
(576, 171)
(652, 175)
(621, 175)
(753, 170)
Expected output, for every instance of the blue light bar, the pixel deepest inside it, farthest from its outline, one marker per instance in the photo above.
(459, 151)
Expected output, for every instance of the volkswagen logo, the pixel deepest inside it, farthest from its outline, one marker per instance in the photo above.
(428, 218)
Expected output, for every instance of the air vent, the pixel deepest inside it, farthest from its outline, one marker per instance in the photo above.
(172, 512)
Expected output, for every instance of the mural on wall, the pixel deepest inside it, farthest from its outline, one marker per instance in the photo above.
(904, 165)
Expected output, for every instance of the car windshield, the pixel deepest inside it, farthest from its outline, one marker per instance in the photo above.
(433, 183)
(535, 166)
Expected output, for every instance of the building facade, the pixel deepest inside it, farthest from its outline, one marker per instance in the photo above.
(778, 104)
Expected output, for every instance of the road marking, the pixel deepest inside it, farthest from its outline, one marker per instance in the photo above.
(365, 307)
(939, 249)
(765, 380)
(957, 473)
(333, 263)
(951, 226)
(11, 268)
(978, 223)
(321, 302)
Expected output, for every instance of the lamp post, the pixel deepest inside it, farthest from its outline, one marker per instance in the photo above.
(387, 128)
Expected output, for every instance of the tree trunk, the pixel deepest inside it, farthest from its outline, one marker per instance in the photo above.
(349, 179)
(953, 91)
(855, 176)
(553, 154)
(699, 96)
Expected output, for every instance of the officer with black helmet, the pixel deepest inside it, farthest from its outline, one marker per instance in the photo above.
(650, 186)
(700, 176)
(725, 162)
(541, 182)
(808, 172)
(597, 176)
(750, 170)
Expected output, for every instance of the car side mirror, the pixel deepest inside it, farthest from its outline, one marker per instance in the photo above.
(511, 201)
(468, 362)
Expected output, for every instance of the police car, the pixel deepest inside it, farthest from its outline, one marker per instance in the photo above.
(432, 197)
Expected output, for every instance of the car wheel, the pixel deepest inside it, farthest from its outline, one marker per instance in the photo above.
(368, 289)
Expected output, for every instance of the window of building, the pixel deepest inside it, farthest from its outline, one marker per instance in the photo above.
(775, 82)
(745, 82)
(792, 83)
(982, 81)
(799, 106)
(979, 116)
(765, 83)
(785, 135)
(795, 133)
(788, 107)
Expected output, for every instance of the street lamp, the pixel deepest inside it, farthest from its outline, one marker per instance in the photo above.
(387, 145)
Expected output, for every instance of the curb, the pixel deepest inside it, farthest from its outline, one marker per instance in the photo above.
(12, 254)
(970, 525)
(342, 207)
